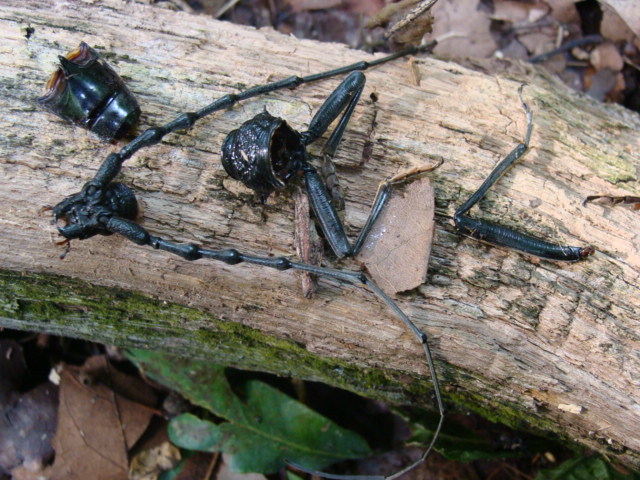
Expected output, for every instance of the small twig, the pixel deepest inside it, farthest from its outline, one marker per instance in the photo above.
(212, 466)
(589, 39)
(225, 8)
(630, 62)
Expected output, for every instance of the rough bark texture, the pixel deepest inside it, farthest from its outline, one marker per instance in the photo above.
(515, 337)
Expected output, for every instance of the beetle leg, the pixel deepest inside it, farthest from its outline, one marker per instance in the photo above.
(502, 236)
(189, 251)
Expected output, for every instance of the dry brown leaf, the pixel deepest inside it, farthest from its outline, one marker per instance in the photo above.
(606, 55)
(410, 30)
(518, 12)
(388, 13)
(613, 27)
(22, 473)
(89, 442)
(564, 11)
(301, 5)
(516, 50)
(366, 7)
(201, 465)
(309, 246)
(397, 250)
(467, 26)
(132, 388)
(414, 23)
(95, 425)
(627, 10)
(538, 41)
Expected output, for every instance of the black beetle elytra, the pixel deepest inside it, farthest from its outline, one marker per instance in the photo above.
(87, 92)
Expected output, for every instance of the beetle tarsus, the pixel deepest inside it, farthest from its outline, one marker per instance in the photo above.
(495, 234)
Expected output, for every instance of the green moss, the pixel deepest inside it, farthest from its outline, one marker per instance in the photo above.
(74, 308)
(70, 307)
(613, 164)
(510, 414)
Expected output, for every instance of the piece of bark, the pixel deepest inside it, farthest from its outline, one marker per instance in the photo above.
(512, 336)
(309, 246)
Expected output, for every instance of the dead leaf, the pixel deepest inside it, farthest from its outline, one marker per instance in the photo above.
(130, 387)
(516, 50)
(200, 465)
(26, 428)
(606, 55)
(300, 5)
(309, 247)
(388, 13)
(410, 25)
(95, 425)
(467, 26)
(538, 41)
(366, 7)
(21, 473)
(397, 250)
(564, 11)
(613, 27)
(410, 31)
(518, 12)
(627, 10)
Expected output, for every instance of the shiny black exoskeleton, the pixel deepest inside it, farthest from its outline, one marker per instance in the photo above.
(87, 92)
(279, 152)
(88, 212)
(506, 237)
(264, 153)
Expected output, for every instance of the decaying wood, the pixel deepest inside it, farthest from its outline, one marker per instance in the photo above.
(507, 330)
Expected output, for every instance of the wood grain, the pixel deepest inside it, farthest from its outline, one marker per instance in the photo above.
(506, 329)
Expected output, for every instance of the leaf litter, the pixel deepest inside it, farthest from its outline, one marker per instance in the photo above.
(99, 420)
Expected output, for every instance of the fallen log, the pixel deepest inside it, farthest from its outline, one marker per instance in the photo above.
(543, 344)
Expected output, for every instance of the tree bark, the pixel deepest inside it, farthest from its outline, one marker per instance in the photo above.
(528, 342)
